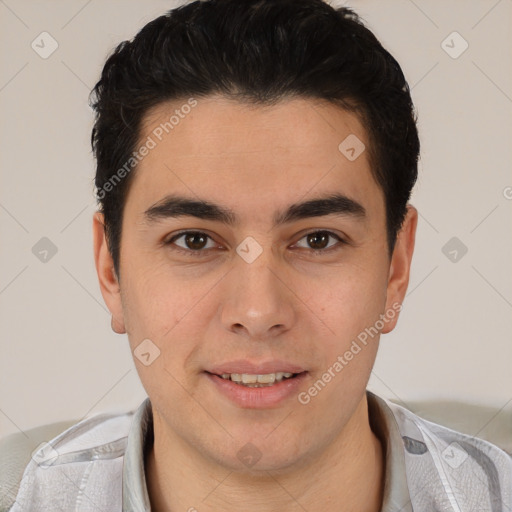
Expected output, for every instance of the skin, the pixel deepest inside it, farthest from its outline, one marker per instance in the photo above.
(288, 304)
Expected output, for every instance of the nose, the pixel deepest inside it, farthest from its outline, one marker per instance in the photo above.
(258, 298)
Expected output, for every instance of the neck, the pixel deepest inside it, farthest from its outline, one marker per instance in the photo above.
(346, 476)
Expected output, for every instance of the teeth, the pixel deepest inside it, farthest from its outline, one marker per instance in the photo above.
(256, 380)
(269, 378)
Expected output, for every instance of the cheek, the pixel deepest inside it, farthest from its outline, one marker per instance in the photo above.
(350, 309)
(349, 301)
(160, 311)
(173, 312)
(157, 300)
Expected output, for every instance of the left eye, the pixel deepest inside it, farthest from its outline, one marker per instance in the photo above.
(318, 240)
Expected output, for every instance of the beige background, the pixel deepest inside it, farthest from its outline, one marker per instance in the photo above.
(59, 358)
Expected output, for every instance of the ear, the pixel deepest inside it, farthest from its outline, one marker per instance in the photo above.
(107, 278)
(400, 266)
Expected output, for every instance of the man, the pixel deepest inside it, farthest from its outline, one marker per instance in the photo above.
(255, 160)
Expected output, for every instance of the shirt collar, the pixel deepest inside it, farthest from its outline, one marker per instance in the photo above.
(140, 440)
(382, 422)
(385, 427)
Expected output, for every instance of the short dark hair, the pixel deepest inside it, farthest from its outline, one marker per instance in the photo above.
(260, 52)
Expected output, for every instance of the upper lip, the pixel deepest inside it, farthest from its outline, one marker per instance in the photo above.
(251, 368)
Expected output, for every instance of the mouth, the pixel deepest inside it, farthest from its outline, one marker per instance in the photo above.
(258, 390)
(257, 385)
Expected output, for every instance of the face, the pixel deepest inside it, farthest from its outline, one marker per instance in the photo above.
(280, 272)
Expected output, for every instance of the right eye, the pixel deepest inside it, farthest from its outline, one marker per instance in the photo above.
(193, 242)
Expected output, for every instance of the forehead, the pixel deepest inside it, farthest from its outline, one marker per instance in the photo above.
(252, 155)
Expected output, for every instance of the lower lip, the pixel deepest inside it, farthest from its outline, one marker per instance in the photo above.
(258, 398)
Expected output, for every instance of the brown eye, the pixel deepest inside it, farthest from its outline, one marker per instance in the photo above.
(195, 241)
(191, 241)
(318, 241)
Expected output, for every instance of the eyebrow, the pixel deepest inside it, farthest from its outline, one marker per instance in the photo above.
(174, 206)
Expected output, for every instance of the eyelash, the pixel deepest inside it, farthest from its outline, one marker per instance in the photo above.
(201, 252)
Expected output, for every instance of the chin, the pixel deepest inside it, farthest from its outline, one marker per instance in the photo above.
(257, 455)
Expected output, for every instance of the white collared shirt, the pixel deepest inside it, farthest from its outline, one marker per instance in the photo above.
(98, 465)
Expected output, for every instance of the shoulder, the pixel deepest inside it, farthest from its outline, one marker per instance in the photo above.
(44, 461)
(15, 454)
(446, 468)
